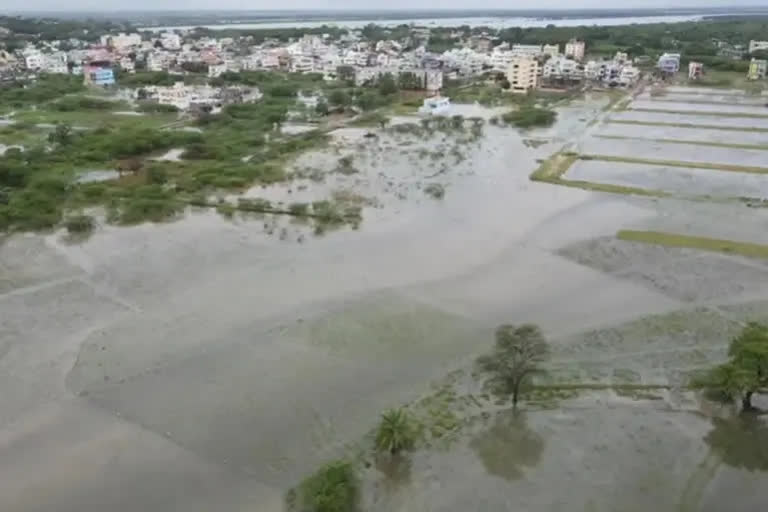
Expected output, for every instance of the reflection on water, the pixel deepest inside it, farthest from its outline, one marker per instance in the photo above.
(396, 470)
(508, 446)
(741, 441)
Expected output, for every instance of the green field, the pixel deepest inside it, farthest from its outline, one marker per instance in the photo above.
(747, 249)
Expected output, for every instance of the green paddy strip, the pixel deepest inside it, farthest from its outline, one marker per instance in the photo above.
(695, 242)
(763, 147)
(699, 113)
(676, 163)
(688, 125)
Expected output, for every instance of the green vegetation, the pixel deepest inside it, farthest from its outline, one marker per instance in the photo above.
(746, 371)
(332, 488)
(529, 117)
(45, 88)
(689, 125)
(435, 190)
(517, 354)
(396, 432)
(695, 242)
(79, 224)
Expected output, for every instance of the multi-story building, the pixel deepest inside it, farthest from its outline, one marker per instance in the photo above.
(575, 49)
(218, 69)
(755, 46)
(669, 63)
(553, 50)
(563, 69)
(170, 41)
(529, 50)
(523, 74)
(621, 57)
(757, 69)
(98, 75)
(695, 70)
(33, 60)
(629, 75)
(121, 41)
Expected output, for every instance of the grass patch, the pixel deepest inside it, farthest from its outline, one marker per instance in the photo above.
(676, 163)
(94, 118)
(695, 242)
(689, 125)
(332, 488)
(693, 142)
(699, 113)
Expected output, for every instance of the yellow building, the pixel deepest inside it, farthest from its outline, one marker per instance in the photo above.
(523, 74)
(757, 69)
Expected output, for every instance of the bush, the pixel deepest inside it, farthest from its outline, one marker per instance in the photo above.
(79, 224)
(527, 117)
(76, 103)
(152, 107)
(332, 488)
(435, 190)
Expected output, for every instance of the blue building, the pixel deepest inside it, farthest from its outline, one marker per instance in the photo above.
(99, 76)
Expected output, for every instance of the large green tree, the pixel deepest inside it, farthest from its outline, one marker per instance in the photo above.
(517, 354)
(746, 371)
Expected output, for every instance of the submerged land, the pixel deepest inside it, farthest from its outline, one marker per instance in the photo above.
(216, 334)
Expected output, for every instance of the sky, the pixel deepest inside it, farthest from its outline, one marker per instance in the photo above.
(133, 5)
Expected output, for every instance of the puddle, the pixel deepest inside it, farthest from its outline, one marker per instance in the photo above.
(96, 176)
(509, 446)
(172, 155)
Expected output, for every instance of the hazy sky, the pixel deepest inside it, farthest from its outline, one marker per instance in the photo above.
(106, 5)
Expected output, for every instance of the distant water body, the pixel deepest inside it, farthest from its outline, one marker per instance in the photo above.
(493, 22)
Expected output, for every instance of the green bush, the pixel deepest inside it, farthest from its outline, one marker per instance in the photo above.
(152, 107)
(528, 117)
(79, 224)
(332, 488)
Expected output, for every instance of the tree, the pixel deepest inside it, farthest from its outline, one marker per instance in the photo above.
(62, 134)
(321, 108)
(387, 84)
(516, 355)
(746, 372)
(346, 73)
(396, 432)
(339, 98)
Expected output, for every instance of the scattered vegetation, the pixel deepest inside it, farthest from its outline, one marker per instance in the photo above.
(435, 190)
(695, 242)
(79, 224)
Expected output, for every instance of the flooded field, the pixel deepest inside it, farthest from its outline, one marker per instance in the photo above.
(679, 133)
(692, 119)
(680, 181)
(210, 364)
(685, 106)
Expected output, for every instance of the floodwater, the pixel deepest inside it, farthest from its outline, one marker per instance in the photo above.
(683, 106)
(678, 133)
(682, 181)
(671, 118)
(207, 365)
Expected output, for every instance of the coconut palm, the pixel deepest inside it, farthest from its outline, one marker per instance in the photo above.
(396, 432)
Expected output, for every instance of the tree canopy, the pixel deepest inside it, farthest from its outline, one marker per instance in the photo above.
(518, 352)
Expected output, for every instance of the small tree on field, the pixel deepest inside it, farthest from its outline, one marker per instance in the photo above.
(62, 134)
(746, 371)
(516, 355)
(396, 432)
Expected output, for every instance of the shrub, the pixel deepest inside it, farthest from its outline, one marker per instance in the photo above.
(79, 224)
(396, 432)
(332, 488)
(435, 190)
(528, 116)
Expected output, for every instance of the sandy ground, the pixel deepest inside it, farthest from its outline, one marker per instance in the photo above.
(204, 364)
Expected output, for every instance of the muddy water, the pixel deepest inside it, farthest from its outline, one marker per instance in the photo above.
(726, 99)
(209, 360)
(683, 134)
(681, 181)
(726, 110)
(672, 118)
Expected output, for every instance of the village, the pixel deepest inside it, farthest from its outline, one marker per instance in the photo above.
(521, 67)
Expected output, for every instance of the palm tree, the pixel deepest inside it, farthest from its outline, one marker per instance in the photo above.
(396, 432)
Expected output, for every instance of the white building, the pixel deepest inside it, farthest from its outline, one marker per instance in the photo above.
(523, 74)
(33, 60)
(755, 46)
(215, 70)
(629, 75)
(575, 49)
(695, 70)
(302, 63)
(121, 41)
(528, 50)
(553, 50)
(170, 41)
(562, 68)
(158, 61)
